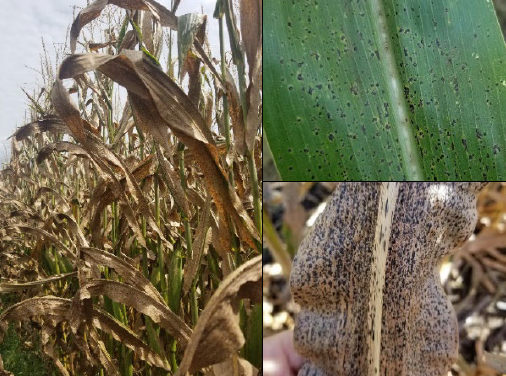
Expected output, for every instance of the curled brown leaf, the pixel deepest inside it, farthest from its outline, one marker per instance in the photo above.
(217, 334)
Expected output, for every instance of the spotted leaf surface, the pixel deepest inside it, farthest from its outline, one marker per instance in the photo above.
(366, 281)
(385, 90)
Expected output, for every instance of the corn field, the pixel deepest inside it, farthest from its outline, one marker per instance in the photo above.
(130, 208)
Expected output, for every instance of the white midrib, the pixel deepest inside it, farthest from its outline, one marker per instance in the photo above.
(407, 143)
(387, 199)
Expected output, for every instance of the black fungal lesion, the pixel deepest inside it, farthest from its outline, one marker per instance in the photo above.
(464, 142)
(316, 55)
(354, 88)
(455, 85)
(299, 77)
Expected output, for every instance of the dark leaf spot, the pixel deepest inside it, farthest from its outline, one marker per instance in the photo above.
(354, 88)
(464, 142)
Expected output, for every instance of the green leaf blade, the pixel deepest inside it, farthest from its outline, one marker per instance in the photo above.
(335, 111)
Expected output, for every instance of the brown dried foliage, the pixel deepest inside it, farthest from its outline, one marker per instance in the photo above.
(122, 236)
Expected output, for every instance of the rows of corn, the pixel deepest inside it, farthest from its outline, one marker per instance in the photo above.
(130, 208)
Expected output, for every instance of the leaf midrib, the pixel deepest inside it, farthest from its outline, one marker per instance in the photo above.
(407, 144)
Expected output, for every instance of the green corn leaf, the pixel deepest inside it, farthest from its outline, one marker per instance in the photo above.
(50, 260)
(252, 350)
(385, 90)
(187, 27)
(65, 265)
(175, 279)
(151, 56)
(122, 32)
(218, 10)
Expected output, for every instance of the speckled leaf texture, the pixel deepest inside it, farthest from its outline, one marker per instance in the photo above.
(385, 89)
(366, 278)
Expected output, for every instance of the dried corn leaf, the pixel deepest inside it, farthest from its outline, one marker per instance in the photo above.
(38, 232)
(131, 296)
(235, 114)
(55, 307)
(217, 335)
(171, 178)
(156, 101)
(234, 366)
(101, 352)
(62, 203)
(192, 265)
(91, 12)
(48, 337)
(124, 268)
(12, 287)
(254, 117)
(104, 321)
(97, 46)
(71, 224)
(60, 146)
(147, 31)
(48, 124)
(251, 29)
(104, 159)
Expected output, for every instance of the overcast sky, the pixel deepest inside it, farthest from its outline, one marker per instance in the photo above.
(24, 23)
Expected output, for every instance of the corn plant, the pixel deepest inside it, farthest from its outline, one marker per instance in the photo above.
(130, 227)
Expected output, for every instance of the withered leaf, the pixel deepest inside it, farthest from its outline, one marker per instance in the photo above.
(104, 321)
(56, 307)
(124, 268)
(193, 262)
(157, 101)
(91, 12)
(49, 123)
(12, 287)
(217, 334)
(251, 29)
(142, 302)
